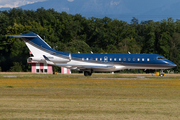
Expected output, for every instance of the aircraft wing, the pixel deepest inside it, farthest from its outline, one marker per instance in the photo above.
(85, 66)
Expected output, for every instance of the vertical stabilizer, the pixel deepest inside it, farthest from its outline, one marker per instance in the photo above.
(35, 43)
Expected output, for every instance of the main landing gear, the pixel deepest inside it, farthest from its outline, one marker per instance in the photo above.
(88, 73)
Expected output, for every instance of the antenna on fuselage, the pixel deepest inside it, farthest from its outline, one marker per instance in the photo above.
(91, 52)
(129, 52)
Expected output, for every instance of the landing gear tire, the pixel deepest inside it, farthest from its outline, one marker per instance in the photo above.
(161, 75)
(87, 73)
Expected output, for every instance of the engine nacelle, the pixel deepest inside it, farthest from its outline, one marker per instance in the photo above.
(46, 59)
(34, 59)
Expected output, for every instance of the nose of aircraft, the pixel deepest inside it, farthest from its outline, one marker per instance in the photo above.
(171, 64)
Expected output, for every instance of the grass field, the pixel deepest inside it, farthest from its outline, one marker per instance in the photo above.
(100, 97)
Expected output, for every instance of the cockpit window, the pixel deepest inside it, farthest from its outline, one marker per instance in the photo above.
(161, 58)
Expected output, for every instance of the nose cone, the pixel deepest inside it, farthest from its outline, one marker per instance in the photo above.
(171, 64)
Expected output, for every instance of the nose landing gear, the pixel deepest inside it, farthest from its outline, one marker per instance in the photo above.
(161, 73)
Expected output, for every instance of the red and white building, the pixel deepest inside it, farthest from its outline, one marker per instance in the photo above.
(41, 68)
(65, 70)
(45, 68)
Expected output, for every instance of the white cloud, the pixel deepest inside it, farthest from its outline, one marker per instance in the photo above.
(114, 3)
(70, 0)
(16, 3)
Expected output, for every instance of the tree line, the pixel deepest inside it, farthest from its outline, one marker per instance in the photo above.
(75, 33)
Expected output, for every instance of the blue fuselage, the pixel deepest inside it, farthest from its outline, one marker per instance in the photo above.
(131, 61)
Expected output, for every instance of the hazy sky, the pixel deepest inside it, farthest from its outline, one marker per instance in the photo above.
(16, 3)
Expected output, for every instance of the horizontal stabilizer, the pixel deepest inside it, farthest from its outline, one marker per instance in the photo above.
(28, 35)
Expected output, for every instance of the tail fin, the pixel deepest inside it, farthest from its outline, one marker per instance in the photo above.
(35, 43)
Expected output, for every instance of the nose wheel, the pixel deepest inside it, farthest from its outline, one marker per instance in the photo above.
(161, 73)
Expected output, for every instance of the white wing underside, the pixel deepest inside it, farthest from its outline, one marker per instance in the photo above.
(95, 67)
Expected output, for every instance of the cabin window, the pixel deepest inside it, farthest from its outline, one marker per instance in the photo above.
(114, 59)
(110, 59)
(138, 59)
(96, 59)
(119, 59)
(142, 59)
(82, 59)
(87, 58)
(100, 59)
(124, 59)
(148, 59)
(129, 59)
(134, 59)
(91, 58)
(45, 70)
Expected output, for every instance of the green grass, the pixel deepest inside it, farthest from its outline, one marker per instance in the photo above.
(75, 97)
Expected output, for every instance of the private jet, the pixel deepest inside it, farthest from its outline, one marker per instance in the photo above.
(91, 62)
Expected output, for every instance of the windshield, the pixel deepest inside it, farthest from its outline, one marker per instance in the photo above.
(161, 58)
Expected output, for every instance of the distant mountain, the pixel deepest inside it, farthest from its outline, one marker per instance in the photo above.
(83, 6)
(4, 8)
(171, 10)
(115, 9)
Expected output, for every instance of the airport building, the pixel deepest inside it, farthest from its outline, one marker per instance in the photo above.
(45, 68)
